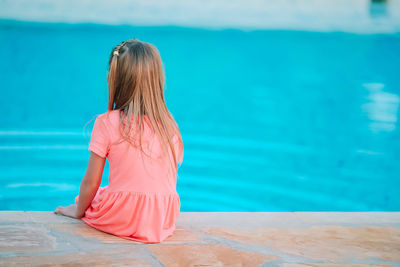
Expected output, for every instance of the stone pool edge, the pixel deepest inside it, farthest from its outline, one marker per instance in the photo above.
(35, 238)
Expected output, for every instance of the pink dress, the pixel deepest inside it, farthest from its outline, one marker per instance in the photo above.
(140, 202)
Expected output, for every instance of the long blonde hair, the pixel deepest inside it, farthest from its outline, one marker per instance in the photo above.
(136, 87)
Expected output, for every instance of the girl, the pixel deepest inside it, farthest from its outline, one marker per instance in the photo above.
(143, 145)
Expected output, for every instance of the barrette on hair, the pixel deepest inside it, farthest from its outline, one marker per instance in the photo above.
(116, 53)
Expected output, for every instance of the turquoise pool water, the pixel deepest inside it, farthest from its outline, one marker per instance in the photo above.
(271, 120)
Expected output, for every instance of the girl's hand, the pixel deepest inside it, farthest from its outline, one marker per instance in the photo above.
(69, 211)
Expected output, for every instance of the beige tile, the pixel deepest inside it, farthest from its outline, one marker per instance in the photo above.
(87, 231)
(356, 218)
(236, 219)
(25, 238)
(14, 216)
(206, 255)
(182, 235)
(331, 243)
(332, 265)
(50, 217)
(104, 258)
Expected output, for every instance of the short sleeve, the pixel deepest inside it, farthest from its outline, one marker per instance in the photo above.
(178, 147)
(99, 140)
(180, 157)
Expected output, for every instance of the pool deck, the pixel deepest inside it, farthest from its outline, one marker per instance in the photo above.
(42, 238)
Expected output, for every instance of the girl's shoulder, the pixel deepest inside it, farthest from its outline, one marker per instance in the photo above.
(108, 120)
(112, 119)
(109, 117)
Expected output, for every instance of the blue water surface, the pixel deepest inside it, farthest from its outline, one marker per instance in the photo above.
(272, 120)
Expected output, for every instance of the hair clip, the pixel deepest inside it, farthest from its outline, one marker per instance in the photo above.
(116, 53)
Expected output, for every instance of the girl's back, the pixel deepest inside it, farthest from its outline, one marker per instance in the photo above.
(130, 169)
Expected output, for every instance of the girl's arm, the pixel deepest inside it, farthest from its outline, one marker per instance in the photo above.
(89, 186)
(90, 183)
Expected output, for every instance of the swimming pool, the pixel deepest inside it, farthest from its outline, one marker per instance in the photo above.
(272, 120)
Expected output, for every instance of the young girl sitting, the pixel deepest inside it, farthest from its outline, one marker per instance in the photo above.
(143, 144)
